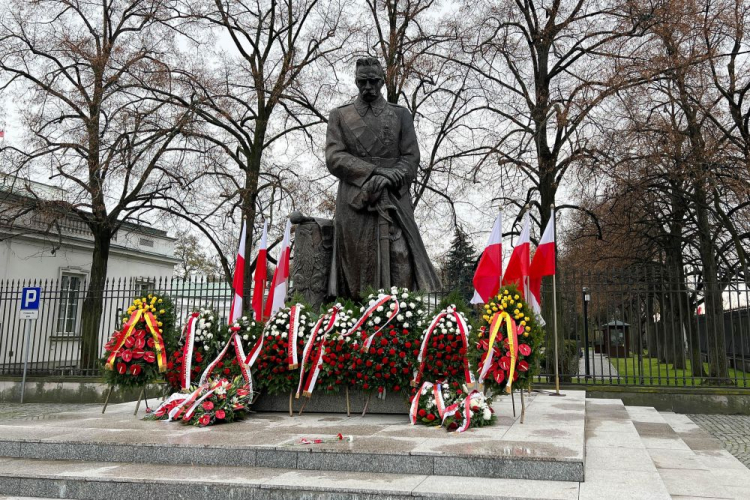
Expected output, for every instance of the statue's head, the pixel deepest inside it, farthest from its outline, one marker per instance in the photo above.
(370, 78)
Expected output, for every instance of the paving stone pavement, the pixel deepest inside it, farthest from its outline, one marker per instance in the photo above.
(732, 430)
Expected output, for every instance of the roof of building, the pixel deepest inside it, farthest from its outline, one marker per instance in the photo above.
(12, 187)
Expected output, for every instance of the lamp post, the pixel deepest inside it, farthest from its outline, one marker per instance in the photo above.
(586, 298)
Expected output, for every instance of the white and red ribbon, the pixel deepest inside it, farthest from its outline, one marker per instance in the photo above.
(187, 351)
(189, 413)
(291, 352)
(453, 409)
(255, 352)
(368, 312)
(437, 393)
(463, 331)
(426, 386)
(307, 387)
(175, 412)
(235, 340)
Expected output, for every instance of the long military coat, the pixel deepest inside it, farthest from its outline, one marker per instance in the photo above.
(360, 137)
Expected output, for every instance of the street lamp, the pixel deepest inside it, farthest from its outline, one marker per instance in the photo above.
(586, 299)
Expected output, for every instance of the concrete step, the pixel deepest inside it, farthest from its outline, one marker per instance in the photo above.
(548, 446)
(93, 481)
(618, 465)
(704, 469)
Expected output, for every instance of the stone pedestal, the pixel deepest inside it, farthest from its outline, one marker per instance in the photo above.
(393, 404)
(313, 250)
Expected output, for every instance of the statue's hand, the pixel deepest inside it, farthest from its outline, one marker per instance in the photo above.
(374, 186)
(395, 175)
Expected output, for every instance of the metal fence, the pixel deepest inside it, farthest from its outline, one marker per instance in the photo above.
(617, 328)
(55, 346)
(642, 327)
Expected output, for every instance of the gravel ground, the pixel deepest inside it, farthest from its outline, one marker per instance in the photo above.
(732, 430)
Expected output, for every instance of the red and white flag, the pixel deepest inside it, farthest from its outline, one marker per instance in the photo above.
(259, 278)
(543, 263)
(518, 266)
(490, 269)
(279, 285)
(239, 278)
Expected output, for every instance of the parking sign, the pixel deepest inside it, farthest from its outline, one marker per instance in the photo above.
(30, 302)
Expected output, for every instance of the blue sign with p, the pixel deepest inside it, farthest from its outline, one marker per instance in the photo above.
(30, 298)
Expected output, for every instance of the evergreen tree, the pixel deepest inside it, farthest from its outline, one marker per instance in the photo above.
(460, 263)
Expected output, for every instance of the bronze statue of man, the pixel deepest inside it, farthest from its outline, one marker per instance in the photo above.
(371, 147)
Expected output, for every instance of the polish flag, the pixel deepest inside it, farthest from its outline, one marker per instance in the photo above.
(517, 271)
(543, 263)
(490, 269)
(279, 285)
(239, 278)
(259, 278)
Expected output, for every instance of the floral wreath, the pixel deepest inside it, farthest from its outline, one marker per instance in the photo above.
(515, 346)
(388, 341)
(136, 354)
(195, 349)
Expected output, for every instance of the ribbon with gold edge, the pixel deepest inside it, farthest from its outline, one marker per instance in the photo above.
(312, 378)
(291, 351)
(513, 348)
(128, 329)
(152, 326)
(239, 351)
(161, 352)
(495, 324)
(307, 351)
(187, 351)
(368, 312)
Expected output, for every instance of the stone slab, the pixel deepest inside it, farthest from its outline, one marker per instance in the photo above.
(549, 445)
(393, 404)
(87, 480)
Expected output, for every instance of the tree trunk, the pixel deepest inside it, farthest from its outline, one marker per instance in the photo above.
(249, 201)
(716, 343)
(93, 304)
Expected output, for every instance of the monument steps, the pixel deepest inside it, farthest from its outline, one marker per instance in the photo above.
(639, 453)
(630, 453)
(114, 481)
(549, 445)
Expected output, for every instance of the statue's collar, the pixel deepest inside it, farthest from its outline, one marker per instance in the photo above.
(377, 106)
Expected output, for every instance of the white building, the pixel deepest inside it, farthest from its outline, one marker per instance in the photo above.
(59, 259)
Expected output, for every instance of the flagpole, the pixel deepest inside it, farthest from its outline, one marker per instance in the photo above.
(554, 316)
(554, 309)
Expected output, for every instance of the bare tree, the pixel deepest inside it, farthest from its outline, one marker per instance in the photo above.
(261, 98)
(78, 71)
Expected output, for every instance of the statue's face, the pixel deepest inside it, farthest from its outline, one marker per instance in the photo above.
(369, 83)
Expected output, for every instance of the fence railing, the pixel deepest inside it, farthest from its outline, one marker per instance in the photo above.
(618, 328)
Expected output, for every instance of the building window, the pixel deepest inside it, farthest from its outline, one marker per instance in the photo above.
(145, 242)
(144, 287)
(70, 299)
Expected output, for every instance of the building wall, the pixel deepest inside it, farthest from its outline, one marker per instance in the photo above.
(26, 257)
